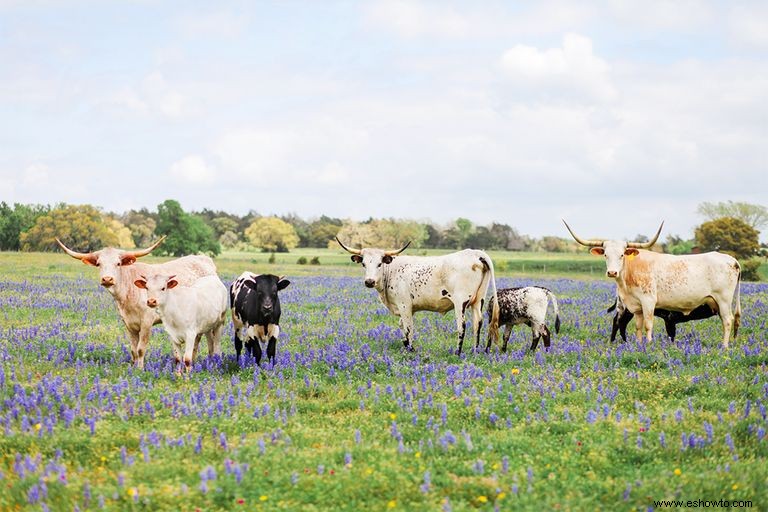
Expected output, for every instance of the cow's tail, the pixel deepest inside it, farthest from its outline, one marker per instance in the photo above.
(489, 278)
(553, 299)
(737, 300)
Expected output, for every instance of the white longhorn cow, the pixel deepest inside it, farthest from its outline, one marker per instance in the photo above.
(407, 284)
(118, 270)
(648, 280)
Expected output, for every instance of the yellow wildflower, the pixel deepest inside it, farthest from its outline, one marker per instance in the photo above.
(392, 504)
(263, 498)
(515, 371)
(678, 472)
(482, 499)
(392, 416)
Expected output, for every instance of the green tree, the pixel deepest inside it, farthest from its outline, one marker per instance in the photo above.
(142, 224)
(187, 233)
(754, 215)
(272, 234)
(83, 227)
(322, 231)
(14, 221)
(729, 235)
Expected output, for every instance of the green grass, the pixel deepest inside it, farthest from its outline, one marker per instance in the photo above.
(345, 373)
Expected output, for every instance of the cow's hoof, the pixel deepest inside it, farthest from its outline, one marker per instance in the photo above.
(409, 348)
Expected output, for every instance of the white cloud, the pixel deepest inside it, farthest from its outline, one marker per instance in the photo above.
(412, 19)
(222, 24)
(192, 169)
(749, 26)
(662, 14)
(572, 69)
(36, 175)
(153, 96)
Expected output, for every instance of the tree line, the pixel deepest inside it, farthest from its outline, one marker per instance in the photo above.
(729, 227)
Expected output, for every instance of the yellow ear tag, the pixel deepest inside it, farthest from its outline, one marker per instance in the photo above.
(631, 256)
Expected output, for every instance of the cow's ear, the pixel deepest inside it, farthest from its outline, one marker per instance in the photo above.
(387, 259)
(357, 258)
(631, 251)
(91, 259)
(282, 284)
(597, 251)
(171, 283)
(141, 283)
(127, 259)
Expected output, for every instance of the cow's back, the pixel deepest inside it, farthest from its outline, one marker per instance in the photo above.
(683, 282)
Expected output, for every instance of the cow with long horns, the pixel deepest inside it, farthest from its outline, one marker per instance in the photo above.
(407, 284)
(118, 269)
(646, 280)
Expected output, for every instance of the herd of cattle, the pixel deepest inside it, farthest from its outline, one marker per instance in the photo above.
(188, 298)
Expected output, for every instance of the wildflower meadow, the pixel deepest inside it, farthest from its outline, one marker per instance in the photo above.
(347, 420)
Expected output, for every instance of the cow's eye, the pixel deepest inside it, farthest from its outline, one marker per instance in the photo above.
(378, 265)
(162, 289)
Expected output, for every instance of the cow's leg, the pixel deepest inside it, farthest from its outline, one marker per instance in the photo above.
(648, 323)
(214, 340)
(507, 334)
(134, 336)
(639, 326)
(190, 342)
(547, 336)
(197, 346)
(671, 328)
(724, 309)
(271, 349)
(238, 345)
(460, 323)
(406, 325)
(141, 347)
(256, 346)
(477, 321)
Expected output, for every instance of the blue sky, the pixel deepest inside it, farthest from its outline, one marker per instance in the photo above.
(614, 115)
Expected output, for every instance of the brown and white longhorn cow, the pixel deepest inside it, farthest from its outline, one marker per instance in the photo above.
(457, 281)
(648, 280)
(118, 270)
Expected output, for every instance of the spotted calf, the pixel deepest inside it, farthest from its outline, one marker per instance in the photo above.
(526, 305)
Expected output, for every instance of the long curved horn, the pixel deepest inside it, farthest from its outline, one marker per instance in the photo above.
(77, 255)
(649, 244)
(392, 253)
(588, 243)
(351, 251)
(144, 252)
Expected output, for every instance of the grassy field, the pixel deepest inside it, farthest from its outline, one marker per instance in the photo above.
(348, 421)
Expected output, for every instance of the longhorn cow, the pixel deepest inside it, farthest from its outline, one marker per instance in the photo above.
(118, 270)
(647, 280)
(407, 284)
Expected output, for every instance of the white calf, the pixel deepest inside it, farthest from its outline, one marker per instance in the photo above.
(188, 312)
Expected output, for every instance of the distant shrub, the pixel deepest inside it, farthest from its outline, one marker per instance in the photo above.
(301, 261)
(750, 269)
(315, 260)
(271, 258)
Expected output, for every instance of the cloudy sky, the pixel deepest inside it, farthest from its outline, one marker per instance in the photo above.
(614, 115)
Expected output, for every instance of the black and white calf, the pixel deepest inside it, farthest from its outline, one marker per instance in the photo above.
(256, 313)
(527, 305)
(671, 318)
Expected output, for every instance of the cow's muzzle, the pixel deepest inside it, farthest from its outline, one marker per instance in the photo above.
(612, 273)
(370, 283)
(152, 303)
(107, 281)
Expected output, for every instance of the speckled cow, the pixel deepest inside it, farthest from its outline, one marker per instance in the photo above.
(407, 284)
(526, 305)
(647, 280)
